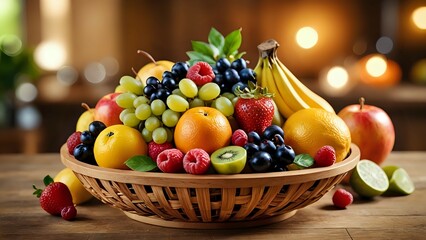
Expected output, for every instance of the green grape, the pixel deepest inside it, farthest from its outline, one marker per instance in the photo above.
(152, 123)
(158, 107)
(159, 135)
(132, 85)
(126, 111)
(196, 102)
(225, 106)
(234, 101)
(170, 118)
(178, 92)
(169, 135)
(147, 135)
(131, 120)
(188, 88)
(143, 111)
(177, 103)
(139, 100)
(209, 91)
(125, 100)
(228, 95)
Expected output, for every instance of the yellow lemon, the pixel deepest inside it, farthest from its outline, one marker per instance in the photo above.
(78, 192)
(309, 129)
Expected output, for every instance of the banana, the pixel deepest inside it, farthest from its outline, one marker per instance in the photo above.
(311, 98)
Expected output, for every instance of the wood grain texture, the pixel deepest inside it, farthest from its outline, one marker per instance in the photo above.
(384, 217)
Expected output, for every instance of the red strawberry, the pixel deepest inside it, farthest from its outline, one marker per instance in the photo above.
(170, 161)
(56, 199)
(196, 161)
(72, 141)
(254, 109)
(326, 156)
(342, 198)
(201, 73)
(154, 149)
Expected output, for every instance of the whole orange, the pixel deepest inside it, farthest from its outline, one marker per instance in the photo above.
(308, 130)
(116, 144)
(202, 127)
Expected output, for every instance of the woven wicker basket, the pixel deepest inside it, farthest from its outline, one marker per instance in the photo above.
(209, 201)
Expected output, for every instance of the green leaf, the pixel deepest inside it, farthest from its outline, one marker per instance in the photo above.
(37, 191)
(216, 39)
(200, 57)
(141, 163)
(232, 42)
(202, 47)
(47, 180)
(303, 160)
(240, 55)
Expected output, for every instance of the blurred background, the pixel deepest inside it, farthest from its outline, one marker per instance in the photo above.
(57, 54)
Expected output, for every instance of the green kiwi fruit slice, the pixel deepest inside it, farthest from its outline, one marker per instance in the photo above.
(229, 160)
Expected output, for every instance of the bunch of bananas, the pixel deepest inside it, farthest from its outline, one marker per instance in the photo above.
(291, 95)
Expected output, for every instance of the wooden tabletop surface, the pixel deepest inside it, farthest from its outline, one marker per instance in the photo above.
(385, 217)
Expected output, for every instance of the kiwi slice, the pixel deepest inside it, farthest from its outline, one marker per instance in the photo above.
(229, 160)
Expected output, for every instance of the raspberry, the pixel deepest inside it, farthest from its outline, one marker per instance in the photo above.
(72, 141)
(326, 156)
(342, 198)
(170, 161)
(68, 213)
(201, 73)
(154, 149)
(239, 138)
(196, 161)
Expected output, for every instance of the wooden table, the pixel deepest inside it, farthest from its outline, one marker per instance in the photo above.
(21, 216)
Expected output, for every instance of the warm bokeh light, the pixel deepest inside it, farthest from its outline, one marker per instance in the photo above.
(50, 55)
(419, 17)
(337, 77)
(95, 72)
(376, 66)
(307, 37)
(418, 72)
(26, 92)
(28, 117)
(67, 75)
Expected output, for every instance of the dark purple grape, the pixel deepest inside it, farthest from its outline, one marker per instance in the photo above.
(241, 85)
(251, 148)
(180, 69)
(270, 132)
(148, 90)
(96, 127)
(268, 146)
(87, 138)
(153, 81)
(169, 83)
(168, 74)
(231, 76)
(239, 64)
(278, 140)
(247, 74)
(163, 94)
(284, 155)
(260, 162)
(223, 64)
(219, 79)
(254, 137)
(84, 153)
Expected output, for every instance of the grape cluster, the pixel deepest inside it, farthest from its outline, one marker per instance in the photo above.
(231, 75)
(268, 152)
(84, 150)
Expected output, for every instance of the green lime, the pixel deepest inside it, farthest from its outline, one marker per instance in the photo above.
(399, 181)
(368, 179)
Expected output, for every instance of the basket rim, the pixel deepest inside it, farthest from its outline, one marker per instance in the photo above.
(211, 180)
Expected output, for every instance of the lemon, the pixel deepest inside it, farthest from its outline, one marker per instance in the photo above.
(368, 179)
(400, 182)
(308, 130)
(78, 192)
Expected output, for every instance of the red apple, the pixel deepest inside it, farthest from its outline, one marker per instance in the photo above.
(107, 110)
(371, 129)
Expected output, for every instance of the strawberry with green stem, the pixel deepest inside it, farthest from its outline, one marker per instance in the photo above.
(56, 199)
(254, 109)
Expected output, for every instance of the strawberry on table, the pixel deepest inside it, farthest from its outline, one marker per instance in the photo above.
(56, 199)
(254, 109)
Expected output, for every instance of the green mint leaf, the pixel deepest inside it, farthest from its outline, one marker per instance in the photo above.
(141, 163)
(303, 160)
(47, 180)
(200, 57)
(216, 39)
(232, 42)
(202, 47)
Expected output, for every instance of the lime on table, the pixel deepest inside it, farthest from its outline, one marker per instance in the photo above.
(399, 181)
(369, 179)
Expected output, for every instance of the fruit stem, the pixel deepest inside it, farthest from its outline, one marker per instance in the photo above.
(361, 103)
(85, 106)
(268, 48)
(147, 55)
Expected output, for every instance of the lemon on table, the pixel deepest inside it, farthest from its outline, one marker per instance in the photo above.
(399, 181)
(78, 192)
(368, 179)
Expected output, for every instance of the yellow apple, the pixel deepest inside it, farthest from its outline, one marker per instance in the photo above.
(78, 192)
(85, 118)
(154, 68)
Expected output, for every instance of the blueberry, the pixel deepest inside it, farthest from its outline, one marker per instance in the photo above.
(84, 153)
(253, 137)
(180, 69)
(278, 140)
(168, 74)
(223, 64)
(163, 94)
(148, 90)
(284, 155)
(87, 138)
(260, 162)
(218, 79)
(239, 64)
(268, 146)
(231, 76)
(247, 74)
(241, 85)
(270, 132)
(169, 83)
(96, 127)
(152, 81)
(251, 149)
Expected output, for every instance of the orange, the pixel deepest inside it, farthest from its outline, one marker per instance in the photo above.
(308, 130)
(116, 144)
(202, 127)
(78, 192)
